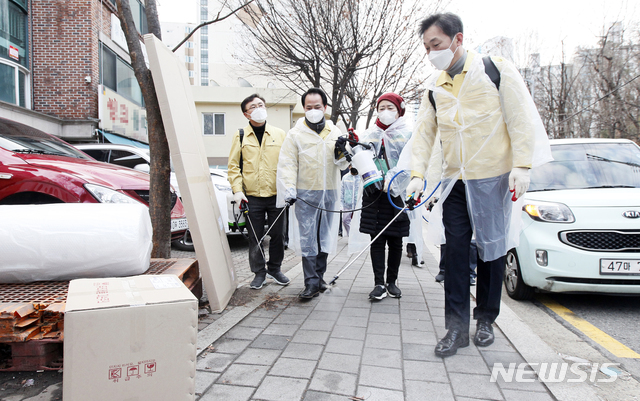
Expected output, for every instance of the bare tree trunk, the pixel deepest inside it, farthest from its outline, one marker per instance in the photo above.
(159, 196)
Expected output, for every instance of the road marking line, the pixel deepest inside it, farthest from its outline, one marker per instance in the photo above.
(609, 343)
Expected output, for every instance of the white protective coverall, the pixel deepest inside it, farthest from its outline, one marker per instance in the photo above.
(397, 139)
(485, 133)
(307, 170)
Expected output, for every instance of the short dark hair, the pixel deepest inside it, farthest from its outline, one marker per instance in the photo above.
(450, 24)
(250, 99)
(316, 91)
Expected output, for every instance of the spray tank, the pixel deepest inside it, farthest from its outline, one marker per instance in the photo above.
(372, 179)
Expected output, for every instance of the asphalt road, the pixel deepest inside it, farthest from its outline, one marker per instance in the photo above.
(617, 316)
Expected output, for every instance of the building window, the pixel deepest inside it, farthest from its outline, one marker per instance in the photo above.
(204, 82)
(117, 75)
(212, 123)
(13, 31)
(190, 45)
(205, 68)
(13, 87)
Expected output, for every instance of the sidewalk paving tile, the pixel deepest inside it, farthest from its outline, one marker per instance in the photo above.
(425, 371)
(514, 395)
(419, 337)
(297, 368)
(383, 342)
(344, 346)
(474, 386)
(214, 362)
(349, 332)
(281, 329)
(311, 337)
(230, 346)
(423, 390)
(219, 392)
(382, 357)
(381, 377)
(204, 380)
(303, 351)
(467, 364)
(267, 341)
(243, 375)
(334, 382)
(243, 333)
(378, 394)
(318, 396)
(390, 329)
(257, 356)
(280, 389)
(382, 317)
(340, 363)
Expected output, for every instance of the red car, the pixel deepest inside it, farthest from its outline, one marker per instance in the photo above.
(37, 168)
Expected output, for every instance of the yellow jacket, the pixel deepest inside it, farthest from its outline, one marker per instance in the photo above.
(484, 134)
(259, 162)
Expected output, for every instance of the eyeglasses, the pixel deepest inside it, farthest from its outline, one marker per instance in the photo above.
(255, 106)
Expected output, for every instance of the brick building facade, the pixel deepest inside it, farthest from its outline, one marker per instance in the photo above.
(74, 62)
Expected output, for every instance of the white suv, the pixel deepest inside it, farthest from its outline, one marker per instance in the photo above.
(139, 159)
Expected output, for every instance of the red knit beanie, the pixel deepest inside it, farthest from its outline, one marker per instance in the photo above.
(397, 100)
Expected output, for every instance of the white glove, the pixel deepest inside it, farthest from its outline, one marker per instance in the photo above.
(385, 186)
(415, 187)
(518, 181)
(238, 197)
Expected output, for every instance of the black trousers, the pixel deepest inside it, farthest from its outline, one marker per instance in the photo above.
(393, 261)
(458, 232)
(263, 210)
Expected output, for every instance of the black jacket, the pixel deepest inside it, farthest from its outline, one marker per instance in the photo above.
(375, 217)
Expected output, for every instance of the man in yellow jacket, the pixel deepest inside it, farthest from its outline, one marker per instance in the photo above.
(252, 165)
(489, 129)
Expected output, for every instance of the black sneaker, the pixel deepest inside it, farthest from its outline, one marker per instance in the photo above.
(393, 290)
(258, 281)
(378, 292)
(279, 278)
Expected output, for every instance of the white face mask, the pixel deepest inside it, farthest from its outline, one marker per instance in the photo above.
(387, 117)
(259, 115)
(314, 116)
(441, 59)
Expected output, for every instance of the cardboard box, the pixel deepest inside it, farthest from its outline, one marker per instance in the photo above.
(131, 338)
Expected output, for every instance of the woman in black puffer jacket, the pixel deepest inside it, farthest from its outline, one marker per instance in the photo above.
(388, 137)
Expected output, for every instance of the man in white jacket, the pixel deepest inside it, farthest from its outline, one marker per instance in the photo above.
(309, 174)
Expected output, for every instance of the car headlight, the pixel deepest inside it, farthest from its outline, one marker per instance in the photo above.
(224, 188)
(549, 212)
(106, 195)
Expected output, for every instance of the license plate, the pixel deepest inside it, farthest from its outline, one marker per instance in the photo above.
(179, 224)
(620, 266)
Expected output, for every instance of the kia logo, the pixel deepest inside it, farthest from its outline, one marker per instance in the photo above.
(631, 214)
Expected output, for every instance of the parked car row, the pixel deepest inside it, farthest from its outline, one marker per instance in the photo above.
(38, 168)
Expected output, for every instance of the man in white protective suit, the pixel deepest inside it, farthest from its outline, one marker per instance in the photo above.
(491, 136)
(309, 173)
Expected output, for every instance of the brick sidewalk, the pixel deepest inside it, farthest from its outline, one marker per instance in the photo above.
(341, 345)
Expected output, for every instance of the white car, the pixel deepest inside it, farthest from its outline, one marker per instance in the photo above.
(581, 222)
(139, 159)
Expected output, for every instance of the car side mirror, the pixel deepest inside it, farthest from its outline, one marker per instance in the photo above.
(144, 167)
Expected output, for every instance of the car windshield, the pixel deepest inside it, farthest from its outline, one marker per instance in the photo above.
(589, 165)
(23, 139)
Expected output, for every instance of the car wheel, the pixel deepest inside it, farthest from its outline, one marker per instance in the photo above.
(513, 282)
(185, 243)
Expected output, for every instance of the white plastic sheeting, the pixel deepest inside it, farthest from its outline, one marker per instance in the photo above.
(73, 240)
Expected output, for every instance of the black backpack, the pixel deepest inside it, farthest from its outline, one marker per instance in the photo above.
(489, 68)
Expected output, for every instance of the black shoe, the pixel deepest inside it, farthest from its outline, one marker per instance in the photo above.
(378, 292)
(414, 260)
(309, 292)
(472, 281)
(449, 345)
(484, 334)
(440, 277)
(323, 286)
(279, 278)
(393, 290)
(258, 281)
